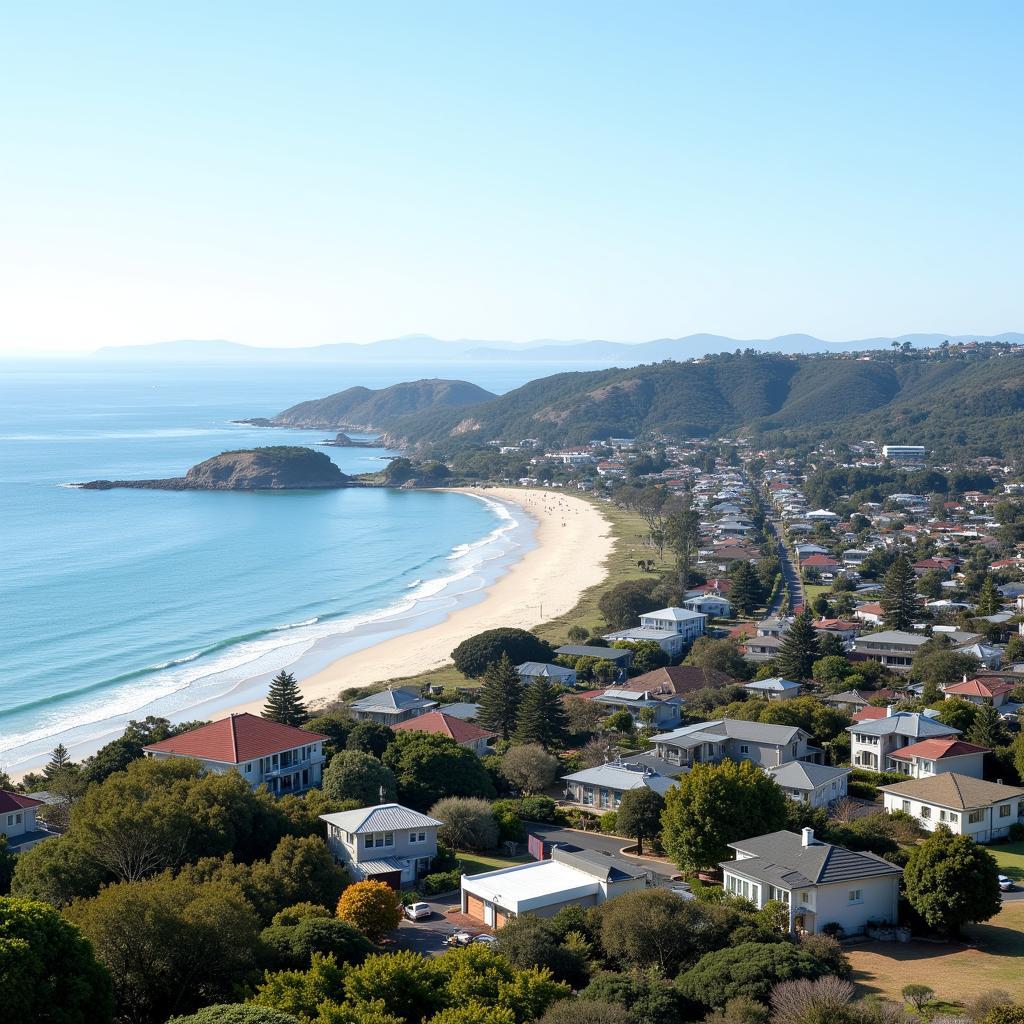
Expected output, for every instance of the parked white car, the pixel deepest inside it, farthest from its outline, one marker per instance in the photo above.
(418, 911)
(1005, 883)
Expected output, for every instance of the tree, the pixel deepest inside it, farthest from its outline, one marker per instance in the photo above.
(951, 881)
(799, 649)
(917, 995)
(59, 761)
(500, 696)
(990, 601)
(293, 945)
(528, 941)
(353, 775)
(370, 737)
(987, 729)
(469, 823)
(722, 655)
(745, 593)
(644, 994)
(170, 946)
(473, 656)
(429, 766)
(529, 768)
(335, 725)
(284, 701)
(682, 531)
(236, 1013)
(647, 654)
(640, 815)
(48, 968)
(542, 719)
(899, 594)
(717, 804)
(958, 713)
(623, 604)
(830, 672)
(590, 1011)
(6, 866)
(937, 665)
(577, 635)
(372, 907)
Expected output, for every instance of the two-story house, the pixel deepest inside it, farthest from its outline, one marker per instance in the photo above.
(389, 843)
(18, 821)
(938, 755)
(765, 745)
(819, 883)
(532, 670)
(873, 742)
(818, 785)
(265, 753)
(672, 629)
(466, 734)
(389, 707)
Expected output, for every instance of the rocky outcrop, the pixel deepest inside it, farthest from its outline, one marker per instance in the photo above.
(284, 467)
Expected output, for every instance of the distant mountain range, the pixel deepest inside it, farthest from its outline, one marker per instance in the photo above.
(421, 348)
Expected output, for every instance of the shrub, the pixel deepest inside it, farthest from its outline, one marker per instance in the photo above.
(1016, 833)
(371, 907)
(445, 859)
(468, 823)
(538, 808)
(609, 821)
(299, 912)
(441, 881)
(473, 655)
(236, 1013)
(293, 946)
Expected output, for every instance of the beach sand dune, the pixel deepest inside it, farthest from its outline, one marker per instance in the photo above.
(573, 543)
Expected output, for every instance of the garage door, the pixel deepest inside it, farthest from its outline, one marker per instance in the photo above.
(475, 907)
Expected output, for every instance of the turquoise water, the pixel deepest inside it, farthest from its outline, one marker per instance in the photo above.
(118, 604)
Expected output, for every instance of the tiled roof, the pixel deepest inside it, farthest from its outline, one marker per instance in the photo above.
(679, 679)
(382, 818)
(16, 801)
(235, 739)
(936, 749)
(439, 722)
(951, 789)
(978, 688)
(869, 714)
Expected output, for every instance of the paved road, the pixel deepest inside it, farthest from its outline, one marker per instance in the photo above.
(599, 843)
(791, 581)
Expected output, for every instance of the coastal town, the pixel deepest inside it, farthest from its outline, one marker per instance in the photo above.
(770, 755)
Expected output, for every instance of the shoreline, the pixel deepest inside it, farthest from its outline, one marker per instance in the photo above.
(573, 543)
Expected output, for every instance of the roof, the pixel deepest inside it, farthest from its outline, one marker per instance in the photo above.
(585, 651)
(641, 633)
(936, 749)
(462, 709)
(679, 679)
(17, 801)
(534, 669)
(601, 865)
(781, 858)
(895, 637)
(237, 738)
(904, 723)
(445, 725)
(382, 818)
(849, 697)
(384, 866)
(526, 887)
(869, 714)
(392, 700)
(736, 729)
(622, 776)
(818, 560)
(951, 789)
(979, 688)
(774, 685)
(804, 775)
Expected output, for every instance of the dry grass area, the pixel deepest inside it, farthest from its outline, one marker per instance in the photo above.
(955, 971)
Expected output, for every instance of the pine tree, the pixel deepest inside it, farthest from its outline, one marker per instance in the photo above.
(744, 588)
(542, 717)
(987, 729)
(500, 696)
(284, 701)
(799, 649)
(59, 760)
(989, 600)
(899, 594)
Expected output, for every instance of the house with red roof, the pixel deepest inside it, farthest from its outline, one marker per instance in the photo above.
(937, 755)
(841, 628)
(822, 563)
(870, 714)
(980, 691)
(265, 753)
(18, 821)
(466, 734)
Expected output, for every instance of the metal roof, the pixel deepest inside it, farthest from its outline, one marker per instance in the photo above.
(804, 775)
(392, 700)
(904, 723)
(382, 818)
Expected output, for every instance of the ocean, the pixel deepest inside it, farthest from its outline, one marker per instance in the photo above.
(119, 604)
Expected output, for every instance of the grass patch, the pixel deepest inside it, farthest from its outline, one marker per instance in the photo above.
(954, 971)
(813, 591)
(477, 863)
(1010, 858)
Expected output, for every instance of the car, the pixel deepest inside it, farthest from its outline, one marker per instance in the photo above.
(418, 911)
(1005, 883)
(484, 939)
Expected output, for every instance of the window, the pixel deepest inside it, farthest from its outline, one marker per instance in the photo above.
(926, 811)
(975, 816)
(906, 806)
(10, 819)
(954, 818)
(1004, 810)
(805, 898)
(374, 840)
(942, 815)
(744, 748)
(17, 819)
(856, 896)
(248, 768)
(417, 837)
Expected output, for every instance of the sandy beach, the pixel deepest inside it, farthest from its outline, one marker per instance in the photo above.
(573, 542)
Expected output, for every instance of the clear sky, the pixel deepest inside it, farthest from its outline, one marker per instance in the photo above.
(300, 173)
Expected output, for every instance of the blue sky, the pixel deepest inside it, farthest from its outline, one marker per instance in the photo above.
(305, 173)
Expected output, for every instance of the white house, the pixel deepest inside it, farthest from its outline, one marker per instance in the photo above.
(816, 784)
(18, 821)
(709, 604)
(265, 753)
(820, 883)
(775, 688)
(389, 843)
(570, 878)
(938, 755)
(873, 742)
(672, 629)
(967, 806)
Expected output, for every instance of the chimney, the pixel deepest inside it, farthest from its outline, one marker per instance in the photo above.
(889, 711)
(807, 837)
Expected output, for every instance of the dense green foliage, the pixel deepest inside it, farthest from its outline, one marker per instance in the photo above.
(429, 766)
(353, 775)
(500, 696)
(284, 701)
(473, 656)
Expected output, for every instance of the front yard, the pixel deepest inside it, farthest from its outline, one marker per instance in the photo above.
(1010, 858)
(953, 970)
(477, 863)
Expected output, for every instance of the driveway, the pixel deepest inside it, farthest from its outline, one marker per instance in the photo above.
(427, 936)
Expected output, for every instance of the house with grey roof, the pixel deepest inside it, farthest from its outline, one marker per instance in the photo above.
(775, 688)
(766, 745)
(819, 883)
(601, 788)
(672, 629)
(873, 742)
(389, 707)
(817, 785)
(532, 670)
(388, 843)
(620, 657)
(645, 707)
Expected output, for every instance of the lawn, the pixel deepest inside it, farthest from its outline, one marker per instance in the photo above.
(953, 970)
(477, 863)
(1010, 858)
(812, 592)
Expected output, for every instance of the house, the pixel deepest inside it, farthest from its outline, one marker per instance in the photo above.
(530, 671)
(938, 755)
(870, 612)
(711, 605)
(967, 806)
(389, 843)
(815, 784)
(893, 648)
(980, 691)
(869, 714)
(761, 648)
(989, 655)
(874, 742)
(389, 707)
(819, 563)
(849, 700)
(680, 680)
(579, 878)
(466, 734)
(602, 787)
(775, 688)
(765, 745)
(663, 712)
(620, 657)
(463, 709)
(264, 753)
(18, 821)
(820, 883)
(672, 629)
(838, 627)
